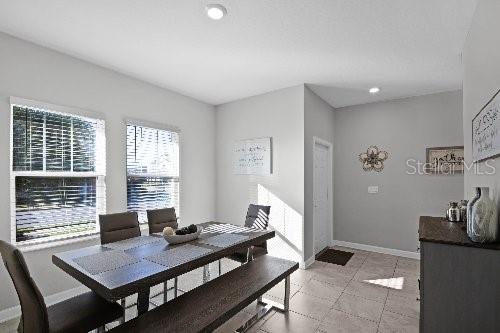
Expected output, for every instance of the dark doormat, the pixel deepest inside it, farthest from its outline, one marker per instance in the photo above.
(334, 256)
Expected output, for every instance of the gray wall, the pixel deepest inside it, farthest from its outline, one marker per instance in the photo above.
(33, 72)
(280, 115)
(481, 82)
(318, 122)
(404, 128)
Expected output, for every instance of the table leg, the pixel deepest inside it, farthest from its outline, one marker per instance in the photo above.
(142, 302)
(286, 301)
(175, 287)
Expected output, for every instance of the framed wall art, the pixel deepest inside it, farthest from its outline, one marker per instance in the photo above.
(485, 131)
(252, 157)
(445, 160)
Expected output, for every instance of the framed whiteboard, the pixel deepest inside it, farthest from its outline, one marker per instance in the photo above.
(252, 157)
(485, 131)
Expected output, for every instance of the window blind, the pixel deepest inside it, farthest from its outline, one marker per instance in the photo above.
(152, 169)
(58, 168)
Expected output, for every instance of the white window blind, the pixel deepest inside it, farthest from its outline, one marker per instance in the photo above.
(57, 178)
(152, 169)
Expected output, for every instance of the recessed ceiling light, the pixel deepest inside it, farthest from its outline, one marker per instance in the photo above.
(216, 11)
(374, 90)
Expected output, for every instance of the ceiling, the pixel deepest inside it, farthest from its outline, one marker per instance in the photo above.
(340, 48)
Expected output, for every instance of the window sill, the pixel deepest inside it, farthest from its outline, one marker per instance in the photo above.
(56, 243)
(26, 247)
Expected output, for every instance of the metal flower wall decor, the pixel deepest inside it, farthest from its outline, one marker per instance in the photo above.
(373, 159)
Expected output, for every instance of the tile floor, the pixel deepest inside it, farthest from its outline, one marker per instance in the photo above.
(373, 293)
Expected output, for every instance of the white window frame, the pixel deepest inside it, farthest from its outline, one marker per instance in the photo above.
(99, 174)
(158, 126)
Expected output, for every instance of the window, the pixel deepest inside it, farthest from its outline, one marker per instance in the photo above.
(57, 178)
(152, 169)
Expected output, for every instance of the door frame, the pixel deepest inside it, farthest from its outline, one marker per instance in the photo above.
(317, 140)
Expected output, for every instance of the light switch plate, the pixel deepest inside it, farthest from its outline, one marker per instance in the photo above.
(372, 189)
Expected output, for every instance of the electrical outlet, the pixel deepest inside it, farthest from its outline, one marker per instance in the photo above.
(372, 189)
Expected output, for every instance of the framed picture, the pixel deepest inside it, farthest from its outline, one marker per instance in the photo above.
(445, 160)
(485, 131)
(253, 157)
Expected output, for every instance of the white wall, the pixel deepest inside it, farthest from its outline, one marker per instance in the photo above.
(404, 128)
(33, 72)
(280, 115)
(481, 82)
(319, 122)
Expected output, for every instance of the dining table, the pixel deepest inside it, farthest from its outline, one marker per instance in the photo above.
(132, 266)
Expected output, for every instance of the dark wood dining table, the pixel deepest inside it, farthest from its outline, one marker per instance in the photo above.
(117, 270)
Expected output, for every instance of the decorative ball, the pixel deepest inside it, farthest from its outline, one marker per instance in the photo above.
(168, 231)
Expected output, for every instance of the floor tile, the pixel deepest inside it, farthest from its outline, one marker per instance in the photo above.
(389, 262)
(371, 273)
(408, 288)
(402, 305)
(367, 290)
(344, 271)
(355, 262)
(322, 290)
(290, 322)
(340, 322)
(278, 291)
(399, 272)
(300, 277)
(331, 278)
(359, 306)
(392, 322)
(408, 264)
(310, 306)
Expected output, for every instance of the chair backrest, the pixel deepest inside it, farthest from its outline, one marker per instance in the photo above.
(34, 311)
(120, 226)
(257, 216)
(158, 219)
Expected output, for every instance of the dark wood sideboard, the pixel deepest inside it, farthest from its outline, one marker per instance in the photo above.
(459, 279)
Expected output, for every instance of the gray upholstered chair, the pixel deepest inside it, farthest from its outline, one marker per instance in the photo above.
(117, 227)
(82, 313)
(158, 219)
(120, 226)
(258, 218)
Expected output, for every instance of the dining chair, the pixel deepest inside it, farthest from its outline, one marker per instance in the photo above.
(82, 313)
(158, 219)
(257, 218)
(117, 227)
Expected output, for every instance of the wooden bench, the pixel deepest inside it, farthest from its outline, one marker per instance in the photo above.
(206, 307)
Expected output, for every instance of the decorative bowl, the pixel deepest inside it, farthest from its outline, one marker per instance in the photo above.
(177, 239)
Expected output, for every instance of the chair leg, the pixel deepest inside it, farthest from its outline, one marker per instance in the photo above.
(165, 292)
(175, 287)
(101, 329)
(220, 268)
(122, 303)
(250, 254)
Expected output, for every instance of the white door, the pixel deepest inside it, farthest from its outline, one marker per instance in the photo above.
(321, 197)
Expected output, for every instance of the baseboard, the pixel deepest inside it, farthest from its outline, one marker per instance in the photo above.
(394, 252)
(15, 311)
(307, 263)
